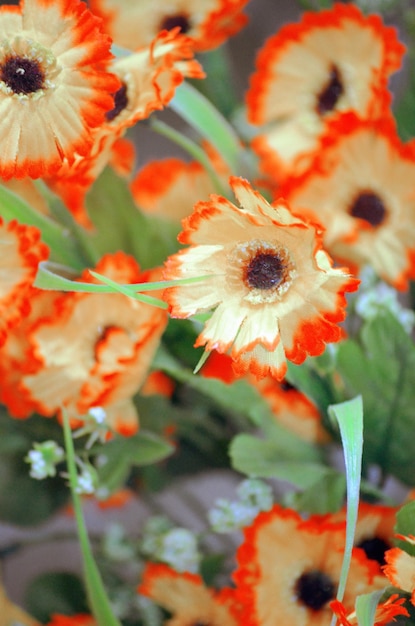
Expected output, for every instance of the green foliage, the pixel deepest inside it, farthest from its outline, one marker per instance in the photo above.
(273, 458)
(314, 382)
(380, 367)
(405, 525)
(62, 245)
(120, 225)
(23, 500)
(57, 592)
(240, 398)
(325, 495)
(119, 456)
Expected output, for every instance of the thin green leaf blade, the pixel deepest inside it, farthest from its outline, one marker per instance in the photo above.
(349, 416)
(366, 605)
(97, 595)
(193, 107)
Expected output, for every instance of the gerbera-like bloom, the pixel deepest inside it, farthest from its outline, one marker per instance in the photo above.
(400, 569)
(54, 86)
(334, 60)
(385, 612)
(149, 78)
(94, 350)
(273, 287)
(360, 187)
(288, 570)
(187, 598)
(208, 23)
(21, 251)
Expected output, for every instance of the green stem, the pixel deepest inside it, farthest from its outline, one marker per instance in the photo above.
(193, 107)
(98, 599)
(62, 248)
(191, 148)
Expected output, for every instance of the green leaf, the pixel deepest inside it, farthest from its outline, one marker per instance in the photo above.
(381, 369)
(119, 224)
(193, 107)
(57, 592)
(315, 386)
(266, 458)
(323, 496)
(25, 501)
(63, 248)
(405, 525)
(239, 397)
(118, 456)
(349, 416)
(366, 605)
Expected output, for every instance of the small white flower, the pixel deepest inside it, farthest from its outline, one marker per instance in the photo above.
(179, 550)
(86, 481)
(44, 458)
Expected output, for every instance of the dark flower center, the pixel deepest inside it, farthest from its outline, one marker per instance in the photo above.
(331, 92)
(369, 207)
(314, 589)
(265, 271)
(172, 21)
(22, 75)
(120, 103)
(375, 549)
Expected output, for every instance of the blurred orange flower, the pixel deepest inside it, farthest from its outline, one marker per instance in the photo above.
(208, 23)
(332, 61)
(187, 598)
(360, 187)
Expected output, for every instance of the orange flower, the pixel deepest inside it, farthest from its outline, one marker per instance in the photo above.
(71, 620)
(149, 78)
(170, 188)
(94, 350)
(20, 254)
(334, 60)
(360, 188)
(54, 87)
(385, 612)
(17, 356)
(273, 287)
(289, 568)
(209, 23)
(400, 570)
(187, 598)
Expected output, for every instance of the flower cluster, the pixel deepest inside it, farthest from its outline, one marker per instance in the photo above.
(238, 311)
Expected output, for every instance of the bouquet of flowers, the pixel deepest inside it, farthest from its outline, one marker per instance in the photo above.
(209, 289)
